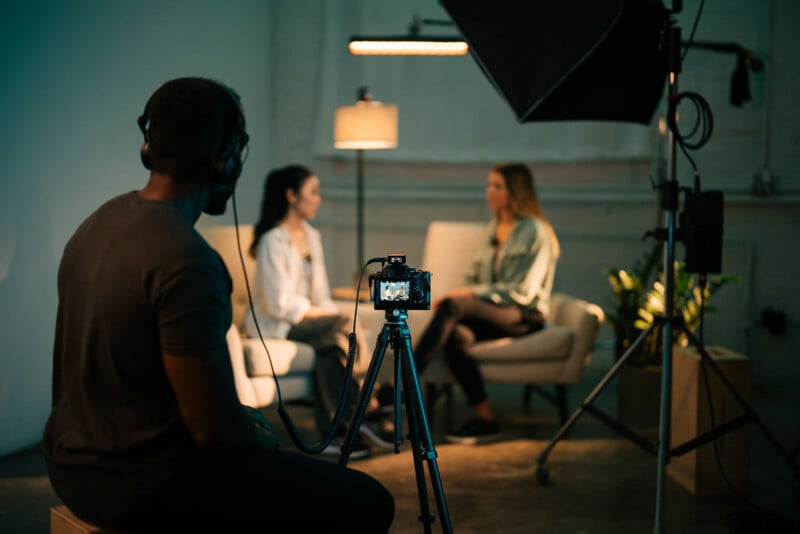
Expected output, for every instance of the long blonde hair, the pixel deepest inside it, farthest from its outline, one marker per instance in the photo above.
(522, 196)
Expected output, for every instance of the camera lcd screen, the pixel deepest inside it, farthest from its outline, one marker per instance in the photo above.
(394, 290)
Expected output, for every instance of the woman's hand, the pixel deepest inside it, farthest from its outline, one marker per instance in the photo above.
(317, 311)
(460, 292)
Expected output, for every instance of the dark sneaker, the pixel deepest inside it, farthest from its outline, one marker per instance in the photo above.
(385, 397)
(476, 431)
(360, 449)
(379, 431)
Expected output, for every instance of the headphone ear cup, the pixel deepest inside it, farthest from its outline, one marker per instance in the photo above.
(233, 168)
(144, 153)
(227, 169)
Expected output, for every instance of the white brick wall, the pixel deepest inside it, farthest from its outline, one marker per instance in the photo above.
(600, 209)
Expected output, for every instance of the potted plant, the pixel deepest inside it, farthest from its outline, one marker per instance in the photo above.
(639, 294)
(630, 287)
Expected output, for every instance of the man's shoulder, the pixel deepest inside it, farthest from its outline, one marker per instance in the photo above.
(155, 227)
(110, 206)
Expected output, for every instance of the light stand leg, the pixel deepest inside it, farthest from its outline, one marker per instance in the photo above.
(542, 473)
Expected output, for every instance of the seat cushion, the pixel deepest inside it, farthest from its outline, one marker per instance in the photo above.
(552, 343)
(288, 357)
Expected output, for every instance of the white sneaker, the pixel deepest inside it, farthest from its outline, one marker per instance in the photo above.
(377, 433)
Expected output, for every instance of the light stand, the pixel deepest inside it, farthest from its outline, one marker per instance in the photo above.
(672, 42)
(662, 447)
(614, 69)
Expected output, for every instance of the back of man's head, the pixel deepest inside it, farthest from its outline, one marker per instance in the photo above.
(190, 124)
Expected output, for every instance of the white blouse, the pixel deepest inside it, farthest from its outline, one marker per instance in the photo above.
(283, 292)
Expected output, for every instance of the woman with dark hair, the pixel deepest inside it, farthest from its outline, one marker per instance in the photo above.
(292, 294)
(506, 292)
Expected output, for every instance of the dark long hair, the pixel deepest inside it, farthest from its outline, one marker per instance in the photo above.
(274, 204)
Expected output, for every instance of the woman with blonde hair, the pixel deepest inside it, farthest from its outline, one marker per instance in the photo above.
(506, 292)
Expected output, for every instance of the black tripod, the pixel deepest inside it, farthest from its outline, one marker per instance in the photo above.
(395, 332)
(668, 322)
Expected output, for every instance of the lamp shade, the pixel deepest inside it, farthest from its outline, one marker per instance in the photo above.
(367, 125)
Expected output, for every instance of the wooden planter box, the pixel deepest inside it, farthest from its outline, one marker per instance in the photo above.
(697, 470)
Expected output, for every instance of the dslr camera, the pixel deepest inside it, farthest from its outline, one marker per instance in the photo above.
(399, 287)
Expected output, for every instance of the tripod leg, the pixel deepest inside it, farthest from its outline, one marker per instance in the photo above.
(418, 422)
(398, 402)
(418, 451)
(364, 395)
(418, 448)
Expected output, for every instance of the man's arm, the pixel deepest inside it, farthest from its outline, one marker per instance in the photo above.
(210, 408)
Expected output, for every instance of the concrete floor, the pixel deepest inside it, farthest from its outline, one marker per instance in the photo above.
(600, 482)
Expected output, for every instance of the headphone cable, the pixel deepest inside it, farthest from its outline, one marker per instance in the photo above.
(284, 415)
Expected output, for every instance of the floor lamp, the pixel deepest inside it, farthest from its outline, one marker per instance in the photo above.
(367, 125)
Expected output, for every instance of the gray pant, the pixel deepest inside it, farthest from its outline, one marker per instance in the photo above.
(329, 337)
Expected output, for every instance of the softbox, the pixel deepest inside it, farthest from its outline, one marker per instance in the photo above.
(569, 59)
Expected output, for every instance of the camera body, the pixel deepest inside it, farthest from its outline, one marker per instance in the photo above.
(399, 287)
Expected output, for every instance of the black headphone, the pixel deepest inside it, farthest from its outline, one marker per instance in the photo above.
(227, 162)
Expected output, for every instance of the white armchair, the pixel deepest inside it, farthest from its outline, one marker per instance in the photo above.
(555, 355)
(293, 361)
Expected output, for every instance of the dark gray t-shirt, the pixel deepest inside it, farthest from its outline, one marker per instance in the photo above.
(136, 279)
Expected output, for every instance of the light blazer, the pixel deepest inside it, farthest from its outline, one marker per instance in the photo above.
(526, 266)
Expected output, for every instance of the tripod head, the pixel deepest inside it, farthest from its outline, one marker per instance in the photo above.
(396, 316)
(398, 286)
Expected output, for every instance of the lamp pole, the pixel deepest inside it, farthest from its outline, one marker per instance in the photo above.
(368, 125)
(359, 210)
(363, 96)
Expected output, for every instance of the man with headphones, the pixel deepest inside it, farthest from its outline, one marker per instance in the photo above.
(146, 431)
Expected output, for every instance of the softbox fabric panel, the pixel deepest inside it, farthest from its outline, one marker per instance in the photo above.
(569, 59)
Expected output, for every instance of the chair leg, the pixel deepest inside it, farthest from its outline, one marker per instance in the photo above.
(527, 393)
(561, 399)
(558, 398)
(448, 391)
(432, 393)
